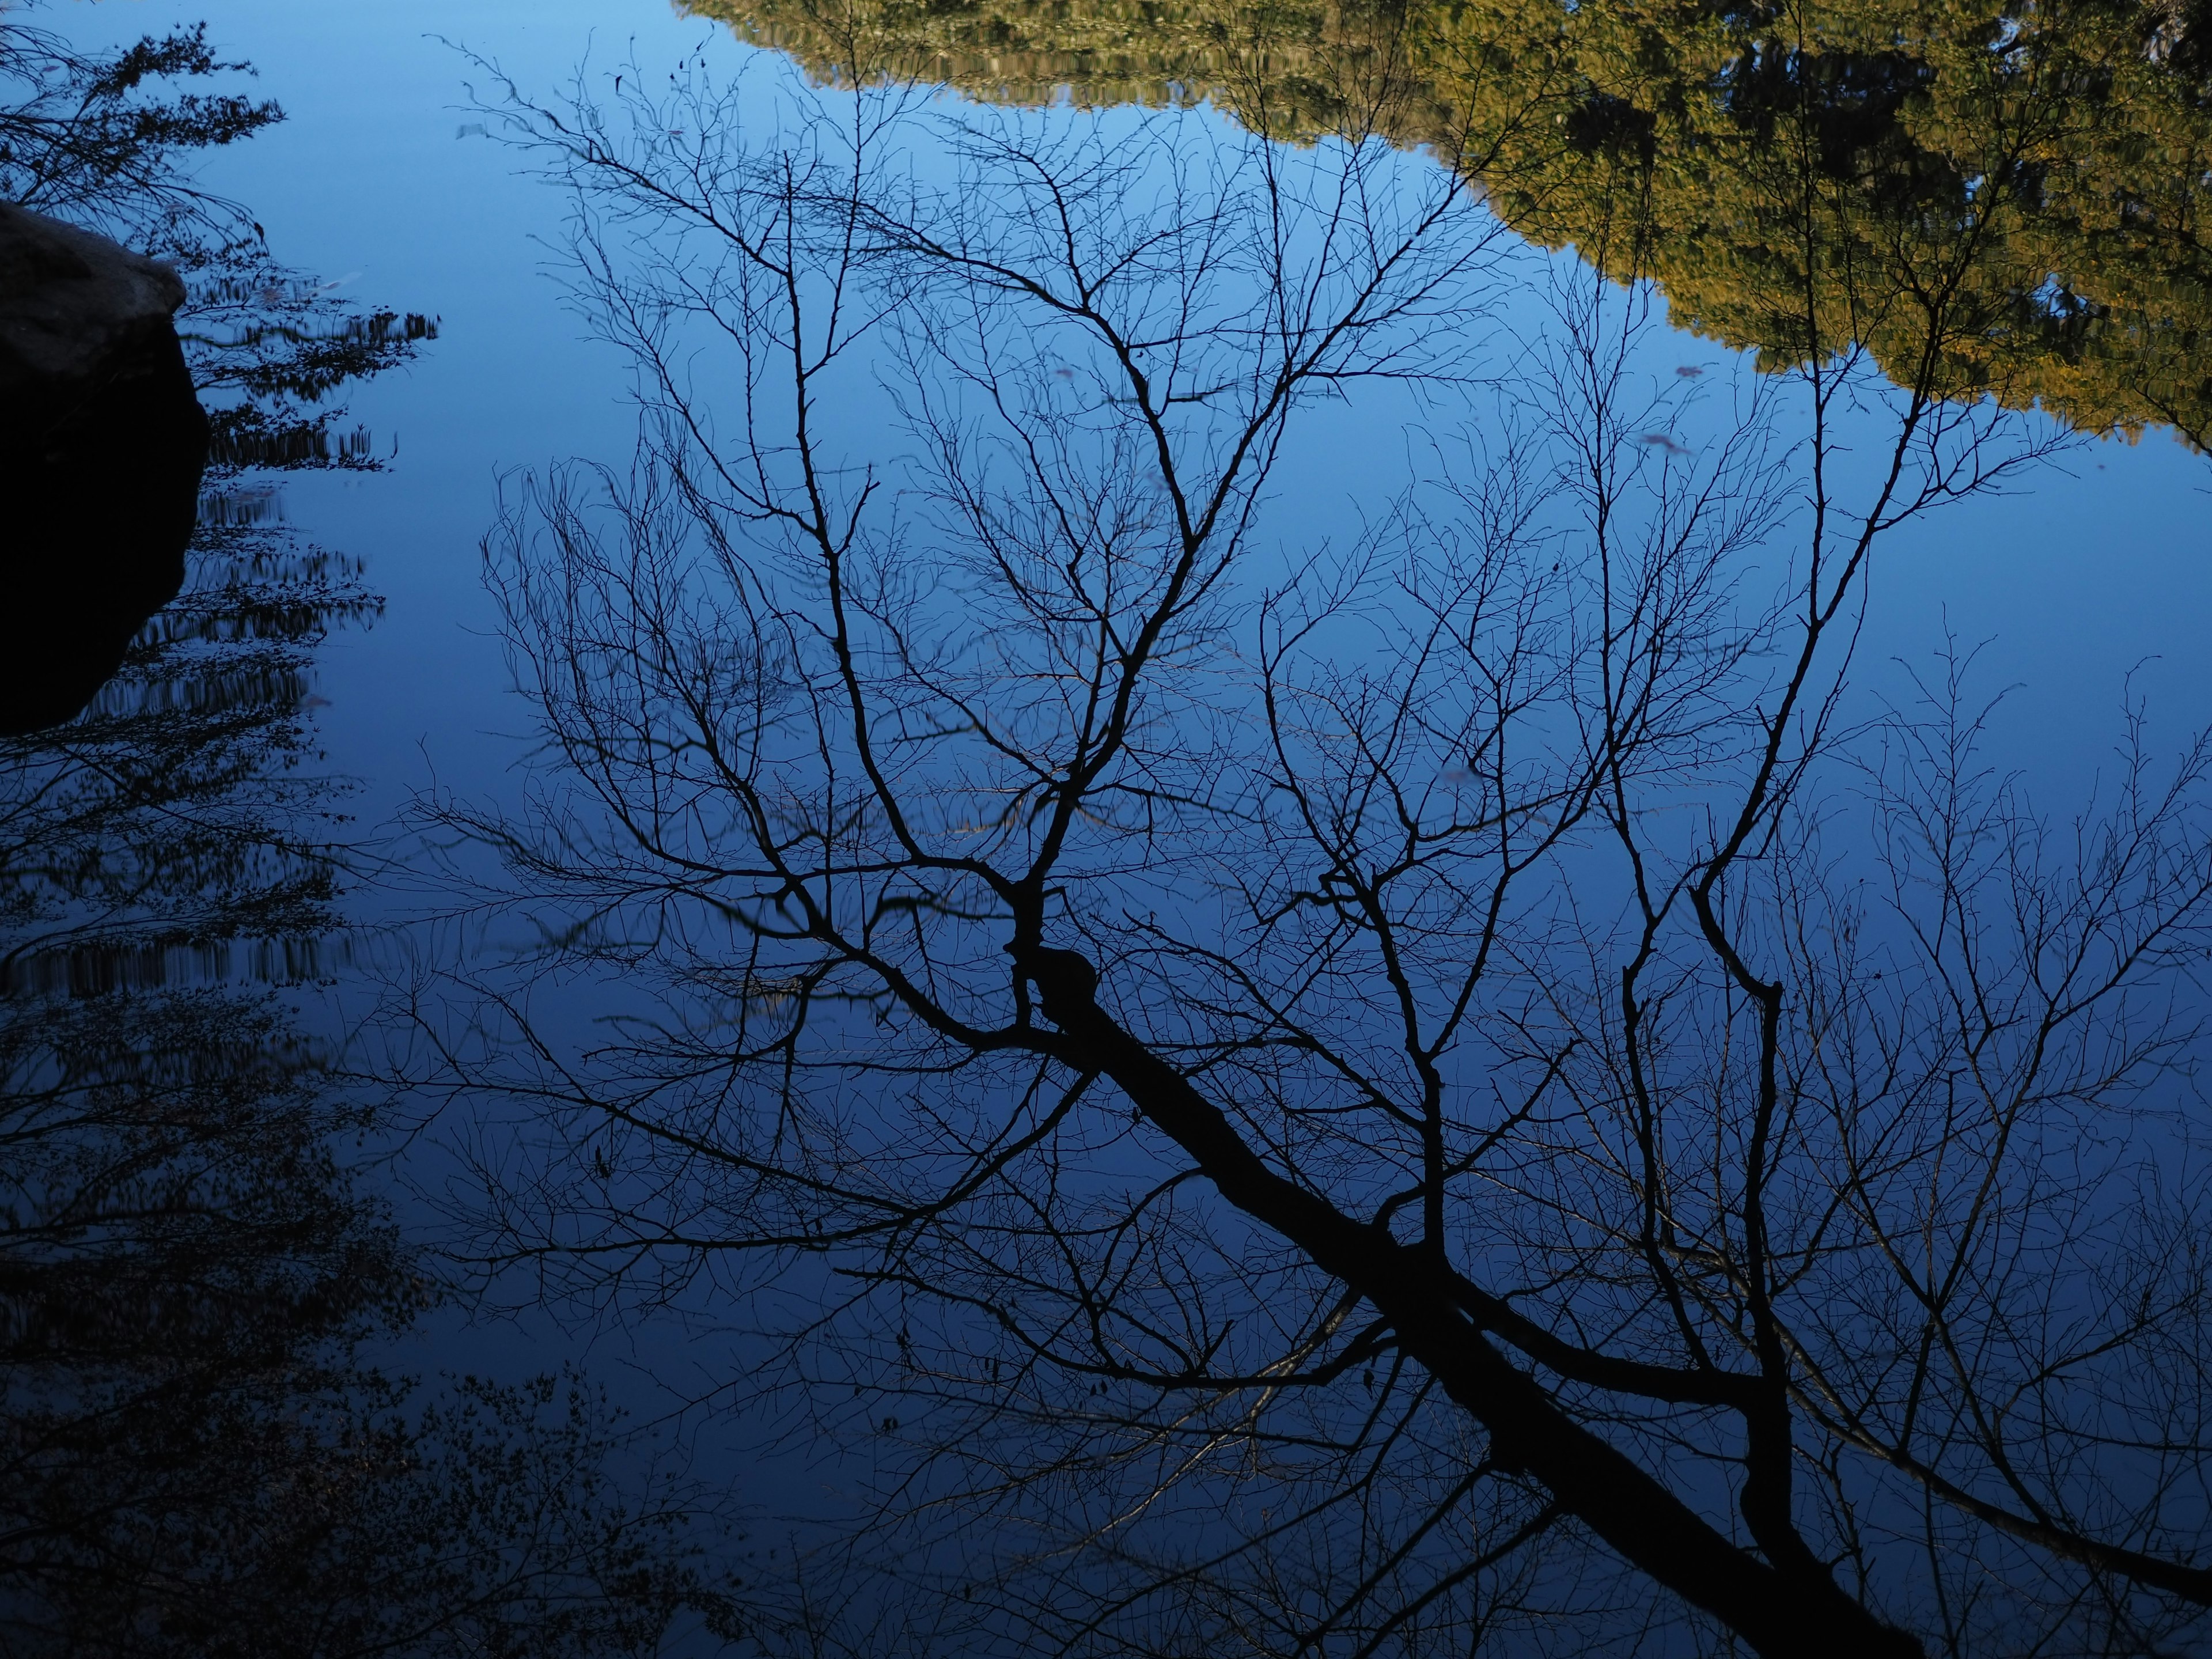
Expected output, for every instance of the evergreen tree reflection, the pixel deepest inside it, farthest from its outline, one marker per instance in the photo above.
(2041, 169)
(199, 1453)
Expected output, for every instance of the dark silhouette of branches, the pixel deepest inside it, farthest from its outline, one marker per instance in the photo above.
(1344, 1102)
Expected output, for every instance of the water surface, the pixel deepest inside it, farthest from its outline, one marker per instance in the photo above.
(2085, 583)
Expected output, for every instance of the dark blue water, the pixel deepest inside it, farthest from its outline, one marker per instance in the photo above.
(2089, 580)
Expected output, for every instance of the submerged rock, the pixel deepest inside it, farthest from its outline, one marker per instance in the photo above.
(102, 443)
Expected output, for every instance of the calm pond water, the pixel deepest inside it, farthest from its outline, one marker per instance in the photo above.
(281, 1016)
(2076, 580)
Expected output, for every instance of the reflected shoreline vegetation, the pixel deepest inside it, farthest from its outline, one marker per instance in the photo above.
(2044, 168)
(202, 1451)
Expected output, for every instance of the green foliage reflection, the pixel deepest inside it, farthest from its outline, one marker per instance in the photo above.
(2036, 173)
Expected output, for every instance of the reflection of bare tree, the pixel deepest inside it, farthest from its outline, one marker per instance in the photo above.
(1316, 1095)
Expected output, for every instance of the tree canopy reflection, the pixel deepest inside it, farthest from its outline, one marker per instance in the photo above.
(2043, 167)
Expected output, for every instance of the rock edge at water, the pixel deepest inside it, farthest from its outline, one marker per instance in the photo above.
(102, 443)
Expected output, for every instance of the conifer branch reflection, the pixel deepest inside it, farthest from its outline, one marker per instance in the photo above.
(202, 1451)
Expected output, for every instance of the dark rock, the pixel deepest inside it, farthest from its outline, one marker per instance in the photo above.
(102, 446)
